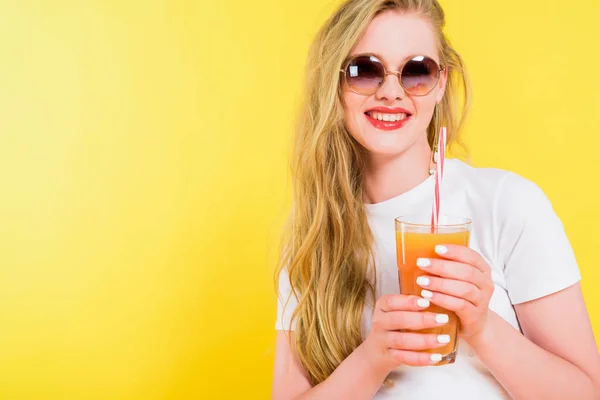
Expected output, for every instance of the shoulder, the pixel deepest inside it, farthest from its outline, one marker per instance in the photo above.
(508, 192)
(478, 175)
(520, 198)
(484, 181)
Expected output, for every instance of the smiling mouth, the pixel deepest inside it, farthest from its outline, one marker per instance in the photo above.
(385, 117)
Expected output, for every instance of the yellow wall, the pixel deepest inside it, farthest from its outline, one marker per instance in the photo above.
(143, 149)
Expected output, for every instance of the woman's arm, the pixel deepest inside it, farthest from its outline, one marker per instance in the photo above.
(556, 359)
(361, 374)
(290, 381)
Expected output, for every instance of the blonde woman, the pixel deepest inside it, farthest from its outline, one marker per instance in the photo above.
(381, 80)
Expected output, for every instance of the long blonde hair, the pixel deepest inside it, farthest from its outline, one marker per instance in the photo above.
(327, 244)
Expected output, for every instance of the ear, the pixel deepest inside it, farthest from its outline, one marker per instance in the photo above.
(442, 85)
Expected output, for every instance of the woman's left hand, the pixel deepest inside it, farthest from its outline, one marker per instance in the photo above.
(460, 281)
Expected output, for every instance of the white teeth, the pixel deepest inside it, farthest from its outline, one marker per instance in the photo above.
(388, 117)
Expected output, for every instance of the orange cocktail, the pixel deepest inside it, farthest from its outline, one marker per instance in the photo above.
(416, 238)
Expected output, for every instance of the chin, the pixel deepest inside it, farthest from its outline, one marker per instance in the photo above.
(385, 149)
(385, 143)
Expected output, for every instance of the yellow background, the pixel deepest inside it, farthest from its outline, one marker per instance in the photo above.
(143, 176)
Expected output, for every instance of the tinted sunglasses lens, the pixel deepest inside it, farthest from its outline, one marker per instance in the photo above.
(364, 74)
(420, 75)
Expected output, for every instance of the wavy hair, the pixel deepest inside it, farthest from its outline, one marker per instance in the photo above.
(327, 246)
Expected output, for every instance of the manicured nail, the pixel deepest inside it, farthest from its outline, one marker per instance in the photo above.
(423, 262)
(436, 358)
(423, 281)
(427, 294)
(442, 318)
(423, 303)
(443, 338)
(441, 250)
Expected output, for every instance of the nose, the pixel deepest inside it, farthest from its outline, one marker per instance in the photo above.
(391, 89)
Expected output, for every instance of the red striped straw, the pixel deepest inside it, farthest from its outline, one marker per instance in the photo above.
(440, 157)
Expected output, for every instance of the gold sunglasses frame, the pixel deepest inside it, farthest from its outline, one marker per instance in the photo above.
(390, 72)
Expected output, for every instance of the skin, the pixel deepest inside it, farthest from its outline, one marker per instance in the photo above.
(555, 363)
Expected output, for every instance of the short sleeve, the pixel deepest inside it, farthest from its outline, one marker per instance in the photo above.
(538, 257)
(286, 303)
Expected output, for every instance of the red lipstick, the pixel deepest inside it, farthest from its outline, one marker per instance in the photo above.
(388, 125)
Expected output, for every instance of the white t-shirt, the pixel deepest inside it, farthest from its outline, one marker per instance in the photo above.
(516, 231)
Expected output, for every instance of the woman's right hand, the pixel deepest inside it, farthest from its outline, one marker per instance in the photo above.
(387, 348)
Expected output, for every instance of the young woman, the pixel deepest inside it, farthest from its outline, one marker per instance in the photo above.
(381, 80)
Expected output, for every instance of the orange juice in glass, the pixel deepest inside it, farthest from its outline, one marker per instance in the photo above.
(417, 238)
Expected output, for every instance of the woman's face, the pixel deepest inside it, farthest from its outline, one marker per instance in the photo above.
(394, 38)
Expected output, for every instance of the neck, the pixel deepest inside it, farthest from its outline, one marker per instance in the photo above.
(390, 176)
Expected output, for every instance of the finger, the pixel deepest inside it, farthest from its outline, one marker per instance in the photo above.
(415, 359)
(463, 308)
(400, 302)
(464, 255)
(415, 341)
(460, 289)
(396, 320)
(453, 270)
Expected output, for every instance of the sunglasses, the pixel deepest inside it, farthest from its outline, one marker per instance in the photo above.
(365, 74)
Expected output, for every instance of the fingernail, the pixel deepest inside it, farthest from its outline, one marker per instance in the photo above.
(423, 303)
(423, 262)
(423, 281)
(436, 358)
(442, 318)
(427, 294)
(441, 250)
(443, 338)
